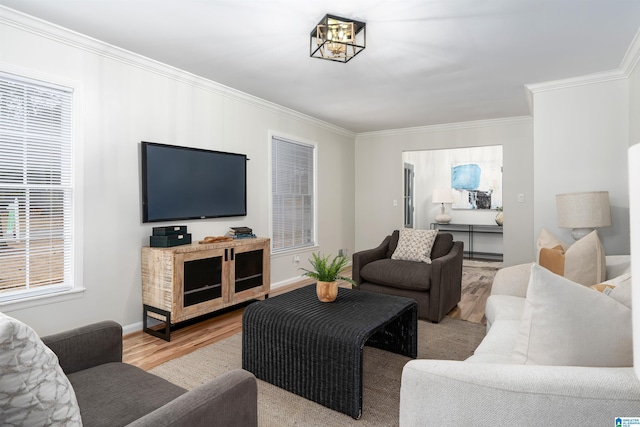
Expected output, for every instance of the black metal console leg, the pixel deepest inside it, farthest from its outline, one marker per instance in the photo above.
(166, 335)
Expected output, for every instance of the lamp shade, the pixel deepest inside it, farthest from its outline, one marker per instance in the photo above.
(442, 195)
(583, 210)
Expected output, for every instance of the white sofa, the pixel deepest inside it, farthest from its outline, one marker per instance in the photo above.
(488, 389)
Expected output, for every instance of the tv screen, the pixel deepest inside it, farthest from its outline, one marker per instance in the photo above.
(191, 183)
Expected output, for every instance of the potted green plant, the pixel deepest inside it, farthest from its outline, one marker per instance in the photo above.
(327, 272)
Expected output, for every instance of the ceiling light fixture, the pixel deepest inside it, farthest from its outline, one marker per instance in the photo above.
(337, 39)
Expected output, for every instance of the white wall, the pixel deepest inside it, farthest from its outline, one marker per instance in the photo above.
(581, 133)
(128, 99)
(379, 177)
(634, 92)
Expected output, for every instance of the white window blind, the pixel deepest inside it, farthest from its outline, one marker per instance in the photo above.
(35, 188)
(292, 181)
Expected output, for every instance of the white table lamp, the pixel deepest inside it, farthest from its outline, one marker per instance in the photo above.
(583, 212)
(442, 196)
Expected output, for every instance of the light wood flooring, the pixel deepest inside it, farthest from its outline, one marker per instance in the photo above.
(146, 351)
(476, 289)
(471, 306)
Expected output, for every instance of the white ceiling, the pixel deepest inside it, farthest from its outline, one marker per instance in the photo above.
(426, 61)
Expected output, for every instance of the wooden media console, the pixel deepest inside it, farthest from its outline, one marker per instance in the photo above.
(185, 282)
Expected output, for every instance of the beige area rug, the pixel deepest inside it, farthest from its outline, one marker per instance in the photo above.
(451, 339)
(491, 265)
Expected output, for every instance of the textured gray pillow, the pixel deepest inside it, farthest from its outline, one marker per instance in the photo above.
(34, 391)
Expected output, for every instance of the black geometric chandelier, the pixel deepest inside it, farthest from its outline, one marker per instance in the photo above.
(338, 39)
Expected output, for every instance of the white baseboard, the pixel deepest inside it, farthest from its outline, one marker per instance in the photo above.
(135, 327)
(284, 283)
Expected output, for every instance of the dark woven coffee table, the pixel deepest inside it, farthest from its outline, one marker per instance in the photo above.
(314, 349)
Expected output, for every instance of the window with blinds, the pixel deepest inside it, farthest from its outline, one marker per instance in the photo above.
(292, 193)
(35, 188)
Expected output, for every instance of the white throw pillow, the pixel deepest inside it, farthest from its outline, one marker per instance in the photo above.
(548, 240)
(621, 291)
(583, 262)
(567, 324)
(415, 245)
(34, 391)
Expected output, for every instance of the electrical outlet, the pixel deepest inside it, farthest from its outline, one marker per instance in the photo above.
(521, 198)
(340, 252)
(296, 259)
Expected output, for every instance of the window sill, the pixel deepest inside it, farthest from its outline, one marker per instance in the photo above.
(293, 251)
(34, 301)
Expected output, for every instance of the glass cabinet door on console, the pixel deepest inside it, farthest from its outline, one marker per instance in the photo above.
(202, 280)
(249, 272)
(198, 282)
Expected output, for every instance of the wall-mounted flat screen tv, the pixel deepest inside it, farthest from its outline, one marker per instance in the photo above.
(190, 183)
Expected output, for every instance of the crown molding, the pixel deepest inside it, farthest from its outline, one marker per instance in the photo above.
(476, 124)
(632, 56)
(77, 40)
(602, 77)
(628, 64)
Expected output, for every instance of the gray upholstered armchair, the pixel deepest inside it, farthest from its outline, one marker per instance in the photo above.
(112, 393)
(436, 287)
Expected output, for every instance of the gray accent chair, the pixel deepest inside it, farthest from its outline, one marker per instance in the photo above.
(112, 393)
(436, 287)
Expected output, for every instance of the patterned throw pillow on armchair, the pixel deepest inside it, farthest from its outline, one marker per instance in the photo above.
(415, 245)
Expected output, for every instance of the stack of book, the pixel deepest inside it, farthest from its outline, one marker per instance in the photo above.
(241, 232)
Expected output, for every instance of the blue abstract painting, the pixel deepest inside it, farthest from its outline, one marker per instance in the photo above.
(465, 177)
(477, 185)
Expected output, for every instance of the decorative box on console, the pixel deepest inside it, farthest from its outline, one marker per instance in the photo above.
(170, 230)
(169, 241)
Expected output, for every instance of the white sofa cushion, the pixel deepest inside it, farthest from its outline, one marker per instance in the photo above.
(33, 389)
(497, 346)
(620, 289)
(453, 393)
(512, 280)
(503, 307)
(492, 358)
(622, 292)
(618, 265)
(564, 324)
